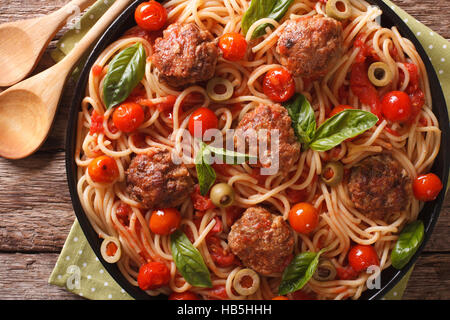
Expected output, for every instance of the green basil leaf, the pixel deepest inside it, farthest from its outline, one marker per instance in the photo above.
(302, 116)
(260, 9)
(189, 261)
(407, 244)
(340, 127)
(125, 71)
(299, 271)
(231, 157)
(205, 173)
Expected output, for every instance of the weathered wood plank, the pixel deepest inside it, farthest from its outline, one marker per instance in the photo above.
(25, 276)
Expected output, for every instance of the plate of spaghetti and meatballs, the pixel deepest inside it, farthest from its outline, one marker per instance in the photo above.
(261, 150)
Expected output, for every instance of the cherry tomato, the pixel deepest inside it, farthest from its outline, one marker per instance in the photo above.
(150, 16)
(338, 109)
(278, 85)
(360, 257)
(302, 295)
(427, 187)
(165, 221)
(303, 217)
(396, 106)
(96, 123)
(153, 275)
(128, 116)
(346, 273)
(103, 169)
(280, 298)
(204, 119)
(97, 70)
(233, 46)
(187, 295)
(218, 292)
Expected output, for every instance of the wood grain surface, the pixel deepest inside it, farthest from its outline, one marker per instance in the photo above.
(36, 211)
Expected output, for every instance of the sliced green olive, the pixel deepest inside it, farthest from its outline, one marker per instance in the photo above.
(338, 9)
(379, 74)
(222, 195)
(332, 173)
(326, 271)
(217, 82)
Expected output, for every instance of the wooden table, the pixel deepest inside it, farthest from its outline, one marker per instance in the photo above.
(36, 211)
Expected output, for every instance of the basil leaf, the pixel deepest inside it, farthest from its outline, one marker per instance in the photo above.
(299, 271)
(302, 116)
(231, 157)
(407, 244)
(340, 127)
(125, 71)
(205, 173)
(260, 9)
(189, 261)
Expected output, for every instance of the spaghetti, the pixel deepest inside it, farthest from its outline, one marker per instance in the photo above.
(414, 146)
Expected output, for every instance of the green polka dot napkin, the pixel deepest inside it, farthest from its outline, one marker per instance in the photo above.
(79, 270)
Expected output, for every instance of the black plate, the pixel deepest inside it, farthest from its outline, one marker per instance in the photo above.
(428, 215)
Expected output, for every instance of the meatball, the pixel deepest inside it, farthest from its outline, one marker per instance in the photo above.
(156, 182)
(378, 186)
(309, 46)
(263, 241)
(185, 55)
(269, 117)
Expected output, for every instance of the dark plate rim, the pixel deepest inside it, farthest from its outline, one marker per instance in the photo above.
(430, 211)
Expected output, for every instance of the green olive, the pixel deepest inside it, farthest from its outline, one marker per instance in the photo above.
(379, 74)
(222, 195)
(333, 173)
(326, 271)
(338, 9)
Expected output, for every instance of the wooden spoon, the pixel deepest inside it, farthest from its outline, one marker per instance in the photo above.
(24, 42)
(27, 109)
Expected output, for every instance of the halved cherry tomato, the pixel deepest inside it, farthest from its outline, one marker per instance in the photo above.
(128, 116)
(97, 70)
(302, 295)
(103, 169)
(150, 16)
(218, 292)
(123, 213)
(278, 85)
(153, 275)
(233, 46)
(396, 106)
(201, 203)
(96, 123)
(427, 187)
(187, 295)
(165, 221)
(303, 217)
(360, 257)
(219, 255)
(338, 109)
(201, 120)
(346, 273)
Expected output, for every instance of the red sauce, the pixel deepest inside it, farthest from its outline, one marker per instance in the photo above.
(96, 123)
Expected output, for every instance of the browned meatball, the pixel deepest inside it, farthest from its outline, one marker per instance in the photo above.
(263, 241)
(309, 46)
(378, 186)
(272, 117)
(185, 55)
(156, 182)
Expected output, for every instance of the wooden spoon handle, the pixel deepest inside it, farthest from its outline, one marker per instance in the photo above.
(108, 17)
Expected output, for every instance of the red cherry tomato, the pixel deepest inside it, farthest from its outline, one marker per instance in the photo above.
(153, 275)
(280, 298)
(150, 16)
(165, 221)
(187, 295)
(360, 257)
(103, 169)
(202, 119)
(301, 295)
(427, 187)
(233, 46)
(278, 85)
(128, 116)
(303, 217)
(338, 109)
(396, 106)
(219, 255)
